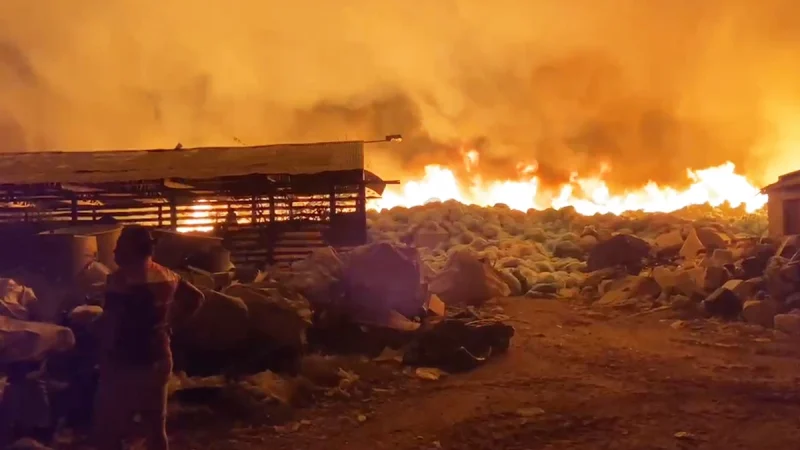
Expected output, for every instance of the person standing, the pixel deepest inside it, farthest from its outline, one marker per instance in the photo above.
(143, 300)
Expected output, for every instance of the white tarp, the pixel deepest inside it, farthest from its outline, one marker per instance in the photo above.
(23, 341)
(381, 278)
(15, 299)
(468, 280)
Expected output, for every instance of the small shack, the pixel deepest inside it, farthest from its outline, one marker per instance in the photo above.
(783, 206)
(269, 204)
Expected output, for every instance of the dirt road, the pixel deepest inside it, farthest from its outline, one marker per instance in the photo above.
(574, 379)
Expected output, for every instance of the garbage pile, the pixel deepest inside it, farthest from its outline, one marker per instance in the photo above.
(415, 292)
(702, 271)
(382, 296)
(378, 294)
(701, 260)
(253, 323)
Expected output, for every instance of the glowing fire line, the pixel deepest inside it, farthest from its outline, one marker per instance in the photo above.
(588, 195)
(714, 186)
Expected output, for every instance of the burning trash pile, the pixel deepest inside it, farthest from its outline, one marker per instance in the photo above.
(255, 328)
(700, 260)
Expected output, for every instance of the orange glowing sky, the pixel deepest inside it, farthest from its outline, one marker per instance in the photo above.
(605, 105)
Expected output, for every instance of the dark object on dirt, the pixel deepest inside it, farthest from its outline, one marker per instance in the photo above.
(249, 357)
(336, 334)
(723, 303)
(620, 250)
(754, 266)
(459, 344)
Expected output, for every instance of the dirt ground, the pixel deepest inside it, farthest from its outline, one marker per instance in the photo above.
(574, 379)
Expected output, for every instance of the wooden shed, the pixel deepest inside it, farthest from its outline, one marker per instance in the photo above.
(269, 204)
(783, 206)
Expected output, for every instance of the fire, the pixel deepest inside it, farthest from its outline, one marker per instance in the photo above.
(200, 219)
(203, 217)
(588, 195)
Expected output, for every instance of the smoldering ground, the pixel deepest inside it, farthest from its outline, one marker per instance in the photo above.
(649, 88)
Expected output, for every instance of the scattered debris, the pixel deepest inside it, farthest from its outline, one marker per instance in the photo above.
(684, 435)
(428, 373)
(530, 412)
(389, 354)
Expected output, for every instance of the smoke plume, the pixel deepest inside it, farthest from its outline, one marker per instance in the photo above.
(647, 88)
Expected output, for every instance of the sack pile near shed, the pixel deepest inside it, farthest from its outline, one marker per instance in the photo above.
(256, 320)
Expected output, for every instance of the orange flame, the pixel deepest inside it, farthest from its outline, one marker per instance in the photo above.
(589, 195)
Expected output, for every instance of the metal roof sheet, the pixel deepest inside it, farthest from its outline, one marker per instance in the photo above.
(192, 163)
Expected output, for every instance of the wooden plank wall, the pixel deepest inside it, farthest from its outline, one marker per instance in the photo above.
(277, 229)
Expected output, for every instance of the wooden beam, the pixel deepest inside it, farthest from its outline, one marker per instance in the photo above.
(79, 189)
(172, 184)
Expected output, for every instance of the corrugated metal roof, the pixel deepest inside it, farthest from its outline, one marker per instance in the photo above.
(194, 163)
(786, 180)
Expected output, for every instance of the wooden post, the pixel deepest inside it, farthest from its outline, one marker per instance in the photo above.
(271, 208)
(173, 213)
(361, 203)
(332, 202)
(74, 210)
(271, 228)
(361, 210)
(254, 210)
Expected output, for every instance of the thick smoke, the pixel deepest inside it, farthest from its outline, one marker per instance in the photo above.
(646, 87)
